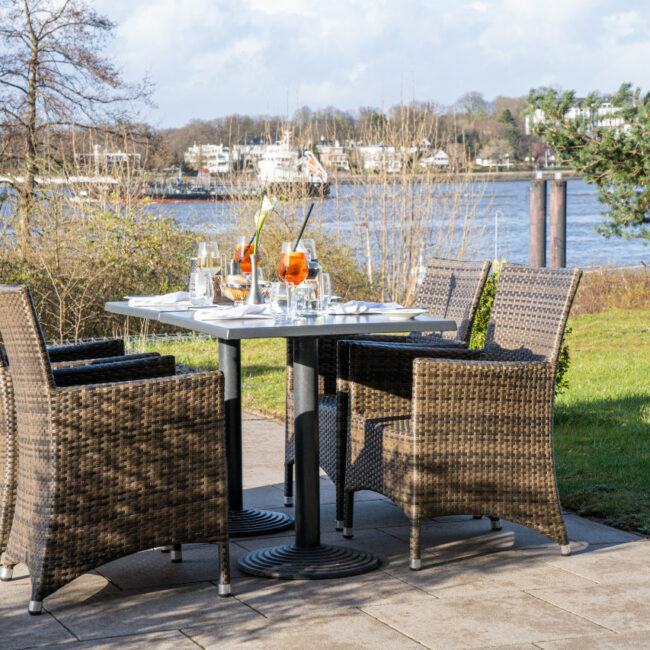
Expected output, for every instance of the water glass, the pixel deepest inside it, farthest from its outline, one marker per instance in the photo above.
(324, 292)
(279, 301)
(201, 290)
(304, 301)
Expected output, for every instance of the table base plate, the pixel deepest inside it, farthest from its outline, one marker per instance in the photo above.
(290, 562)
(249, 522)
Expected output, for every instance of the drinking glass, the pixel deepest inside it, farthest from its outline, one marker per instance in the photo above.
(201, 290)
(208, 259)
(293, 264)
(310, 248)
(324, 292)
(243, 254)
(279, 300)
(303, 301)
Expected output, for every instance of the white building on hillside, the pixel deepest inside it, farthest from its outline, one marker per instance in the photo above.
(439, 160)
(377, 157)
(605, 116)
(213, 157)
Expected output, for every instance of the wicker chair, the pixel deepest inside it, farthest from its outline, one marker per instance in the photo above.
(108, 469)
(96, 352)
(449, 289)
(454, 431)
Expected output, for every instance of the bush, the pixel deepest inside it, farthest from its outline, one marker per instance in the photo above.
(479, 331)
(82, 257)
(604, 288)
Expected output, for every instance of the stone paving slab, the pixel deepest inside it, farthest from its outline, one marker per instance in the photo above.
(352, 629)
(478, 588)
(479, 621)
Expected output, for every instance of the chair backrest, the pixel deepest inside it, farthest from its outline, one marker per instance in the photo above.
(530, 310)
(24, 343)
(452, 289)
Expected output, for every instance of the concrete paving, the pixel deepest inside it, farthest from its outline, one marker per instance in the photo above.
(478, 588)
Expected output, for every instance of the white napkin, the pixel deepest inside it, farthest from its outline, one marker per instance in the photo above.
(168, 299)
(361, 307)
(241, 311)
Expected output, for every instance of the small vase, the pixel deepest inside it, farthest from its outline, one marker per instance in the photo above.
(255, 296)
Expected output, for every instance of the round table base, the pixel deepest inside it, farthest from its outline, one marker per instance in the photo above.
(249, 522)
(291, 562)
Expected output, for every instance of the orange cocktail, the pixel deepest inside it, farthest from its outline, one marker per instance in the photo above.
(293, 267)
(243, 256)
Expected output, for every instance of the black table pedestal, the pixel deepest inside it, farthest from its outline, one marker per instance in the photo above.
(242, 522)
(307, 558)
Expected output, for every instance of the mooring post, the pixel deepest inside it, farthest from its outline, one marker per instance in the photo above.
(538, 221)
(557, 254)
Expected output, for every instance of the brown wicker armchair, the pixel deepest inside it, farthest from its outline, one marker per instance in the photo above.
(67, 356)
(108, 469)
(465, 431)
(449, 289)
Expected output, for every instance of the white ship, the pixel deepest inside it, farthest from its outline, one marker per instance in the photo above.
(282, 166)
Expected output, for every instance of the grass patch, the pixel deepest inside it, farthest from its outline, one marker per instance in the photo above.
(602, 433)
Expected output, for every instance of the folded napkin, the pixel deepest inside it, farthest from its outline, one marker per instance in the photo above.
(241, 311)
(168, 299)
(361, 307)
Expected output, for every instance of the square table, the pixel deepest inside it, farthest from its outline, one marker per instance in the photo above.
(307, 558)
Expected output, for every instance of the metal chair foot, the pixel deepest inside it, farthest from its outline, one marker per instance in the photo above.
(477, 516)
(35, 607)
(347, 533)
(166, 549)
(177, 556)
(225, 590)
(339, 524)
(565, 549)
(6, 573)
(415, 565)
(288, 501)
(496, 524)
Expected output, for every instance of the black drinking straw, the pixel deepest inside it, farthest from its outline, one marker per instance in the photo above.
(304, 225)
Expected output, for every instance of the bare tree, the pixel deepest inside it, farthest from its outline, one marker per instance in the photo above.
(53, 76)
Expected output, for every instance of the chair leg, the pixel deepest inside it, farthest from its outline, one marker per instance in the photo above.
(348, 513)
(565, 549)
(288, 484)
(415, 563)
(224, 569)
(6, 573)
(177, 554)
(496, 523)
(35, 607)
(340, 506)
(477, 516)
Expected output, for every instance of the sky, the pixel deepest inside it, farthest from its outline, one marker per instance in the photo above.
(211, 58)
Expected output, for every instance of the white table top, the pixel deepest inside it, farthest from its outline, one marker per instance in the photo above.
(263, 328)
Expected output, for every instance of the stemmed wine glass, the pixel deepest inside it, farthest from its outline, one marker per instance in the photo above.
(208, 258)
(293, 267)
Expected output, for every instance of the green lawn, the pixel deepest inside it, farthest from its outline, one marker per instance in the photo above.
(602, 420)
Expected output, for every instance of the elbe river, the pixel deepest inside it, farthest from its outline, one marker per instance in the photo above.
(509, 201)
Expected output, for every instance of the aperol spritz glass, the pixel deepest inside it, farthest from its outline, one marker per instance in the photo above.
(293, 267)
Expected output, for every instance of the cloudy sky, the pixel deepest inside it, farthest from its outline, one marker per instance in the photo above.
(210, 58)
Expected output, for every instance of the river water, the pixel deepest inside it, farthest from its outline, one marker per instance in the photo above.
(502, 208)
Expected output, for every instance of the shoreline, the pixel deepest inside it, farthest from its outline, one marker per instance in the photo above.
(344, 178)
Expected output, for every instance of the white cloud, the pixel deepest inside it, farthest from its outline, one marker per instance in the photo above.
(214, 57)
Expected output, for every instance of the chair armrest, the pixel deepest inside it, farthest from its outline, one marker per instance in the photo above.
(92, 362)
(92, 350)
(482, 396)
(163, 404)
(381, 375)
(112, 372)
